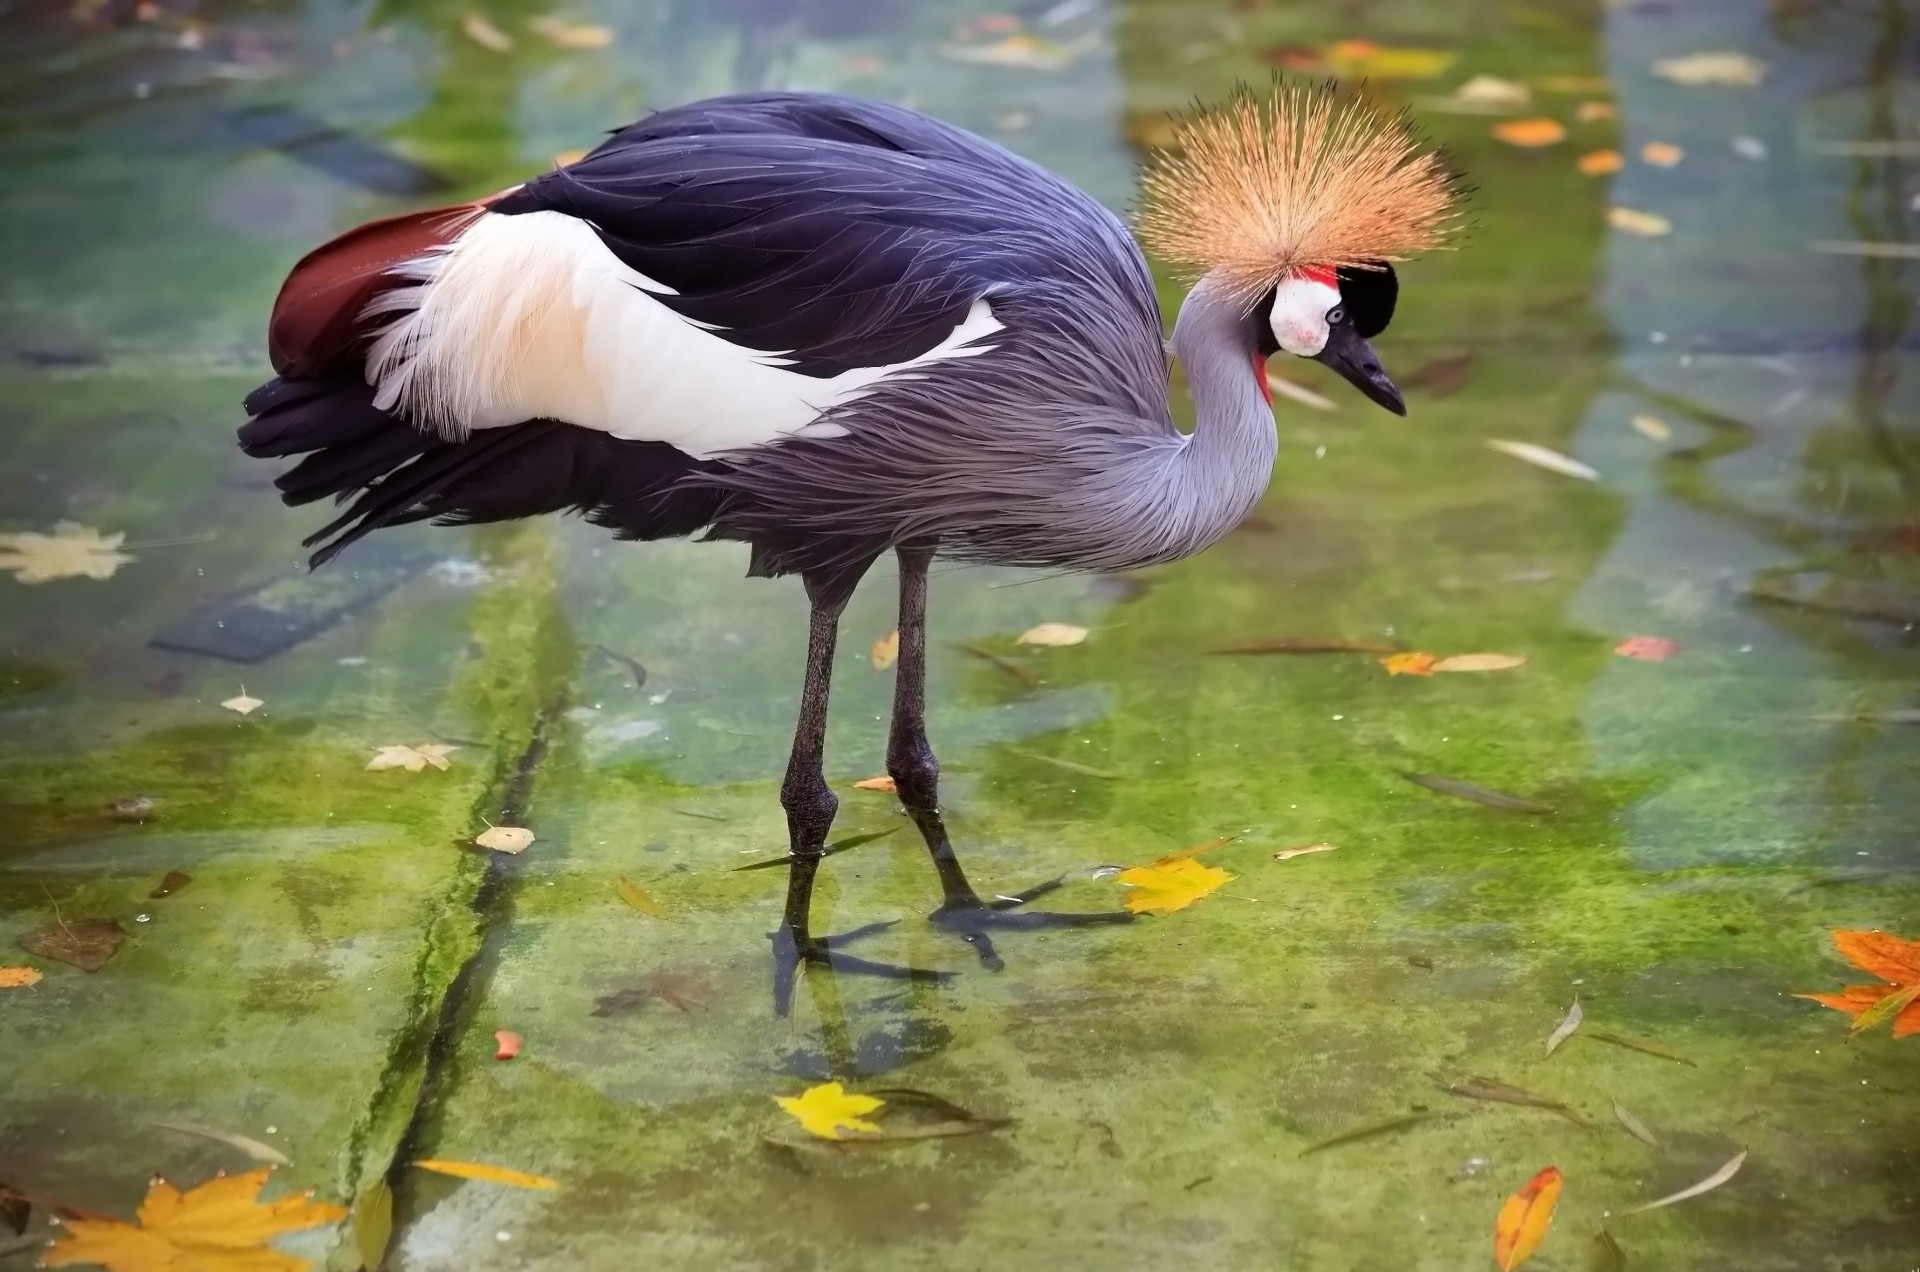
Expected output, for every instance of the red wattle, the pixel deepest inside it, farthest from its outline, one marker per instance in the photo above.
(1260, 377)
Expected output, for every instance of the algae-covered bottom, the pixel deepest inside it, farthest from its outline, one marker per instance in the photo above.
(1334, 1060)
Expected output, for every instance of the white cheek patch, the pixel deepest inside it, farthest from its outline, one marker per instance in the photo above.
(1299, 316)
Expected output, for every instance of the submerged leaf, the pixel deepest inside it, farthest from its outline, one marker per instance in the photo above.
(253, 1148)
(1662, 154)
(1025, 675)
(1605, 1254)
(1478, 794)
(1411, 663)
(1712, 68)
(1498, 1092)
(512, 840)
(1653, 427)
(1369, 1131)
(218, 1226)
(414, 759)
(1564, 1030)
(1163, 889)
(1647, 648)
(1523, 1222)
(886, 650)
(373, 1224)
(83, 943)
(170, 883)
(72, 551)
(1480, 662)
(507, 1044)
(830, 1111)
(1633, 221)
(1194, 850)
(487, 1174)
(1530, 132)
(1541, 457)
(637, 897)
(1053, 634)
(245, 703)
(1706, 1185)
(1635, 1127)
(1641, 1045)
(1071, 766)
(1598, 163)
(1288, 854)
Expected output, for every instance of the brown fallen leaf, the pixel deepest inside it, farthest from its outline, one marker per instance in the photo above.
(1523, 1221)
(572, 35)
(512, 840)
(1598, 163)
(886, 650)
(1491, 1089)
(1470, 791)
(218, 1226)
(83, 943)
(1309, 645)
(19, 977)
(72, 551)
(414, 759)
(1530, 133)
(880, 783)
(1633, 221)
(1480, 662)
(1411, 663)
(485, 34)
(1662, 154)
(638, 897)
(170, 883)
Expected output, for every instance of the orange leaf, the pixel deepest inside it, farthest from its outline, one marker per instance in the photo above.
(1647, 648)
(881, 783)
(1529, 132)
(1410, 664)
(1881, 953)
(1662, 154)
(1590, 112)
(1524, 1220)
(1597, 163)
(486, 1174)
(18, 977)
(507, 1044)
(221, 1224)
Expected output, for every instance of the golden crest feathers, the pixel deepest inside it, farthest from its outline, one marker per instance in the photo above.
(1257, 188)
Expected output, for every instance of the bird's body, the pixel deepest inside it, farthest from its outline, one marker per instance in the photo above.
(833, 328)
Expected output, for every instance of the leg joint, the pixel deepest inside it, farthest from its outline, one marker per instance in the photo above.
(810, 806)
(915, 773)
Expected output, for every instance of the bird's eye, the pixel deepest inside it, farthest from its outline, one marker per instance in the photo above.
(1336, 315)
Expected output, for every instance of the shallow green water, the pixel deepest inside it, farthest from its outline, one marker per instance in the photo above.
(331, 979)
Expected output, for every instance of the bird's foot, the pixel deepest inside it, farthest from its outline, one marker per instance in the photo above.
(792, 952)
(969, 918)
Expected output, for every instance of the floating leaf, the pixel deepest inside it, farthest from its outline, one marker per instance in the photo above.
(1895, 961)
(1598, 163)
(1712, 68)
(880, 783)
(512, 840)
(1411, 663)
(1163, 889)
(572, 35)
(636, 896)
(886, 650)
(1644, 224)
(72, 551)
(414, 759)
(1652, 427)
(219, 1226)
(487, 1174)
(1593, 112)
(1480, 662)
(1309, 645)
(244, 704)
(1025, 675)
(1541, 457)
(1706, 1185)
(170, 883)
(19, 977)
(1564, 1030)
(1490, 92)
(1605, 1254)
(1635, 1127)
(1662, 154)
(1478, 794)
(1304, 850)
(485, 34)
(1647, 648)
(84, 943)
(506, 1044)
(1071, 766)
(1641, 1045)
(1530, 132)
(1523, 1222)
(1376, 61)
(1053, 634)
(253, 1148)
(1369, 1131)
(829, 1110)
(373, 1224)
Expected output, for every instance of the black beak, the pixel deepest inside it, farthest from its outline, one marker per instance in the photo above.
(1354, 359)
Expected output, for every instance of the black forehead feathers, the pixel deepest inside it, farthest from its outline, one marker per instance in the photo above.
(1369, 295)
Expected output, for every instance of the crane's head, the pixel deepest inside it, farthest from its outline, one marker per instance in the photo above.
(1330, 316)
(1294, 204)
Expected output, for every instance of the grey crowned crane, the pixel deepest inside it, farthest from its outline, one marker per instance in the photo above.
(833, 328)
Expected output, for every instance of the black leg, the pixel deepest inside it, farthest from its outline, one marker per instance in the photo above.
(811, 804)
(916, 779)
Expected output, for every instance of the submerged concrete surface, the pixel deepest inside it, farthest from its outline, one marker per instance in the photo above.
(340, 961)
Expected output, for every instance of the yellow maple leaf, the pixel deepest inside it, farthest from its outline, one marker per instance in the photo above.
(1175, 885)
(830, 1111)
(219, 1226)
(72, 551)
